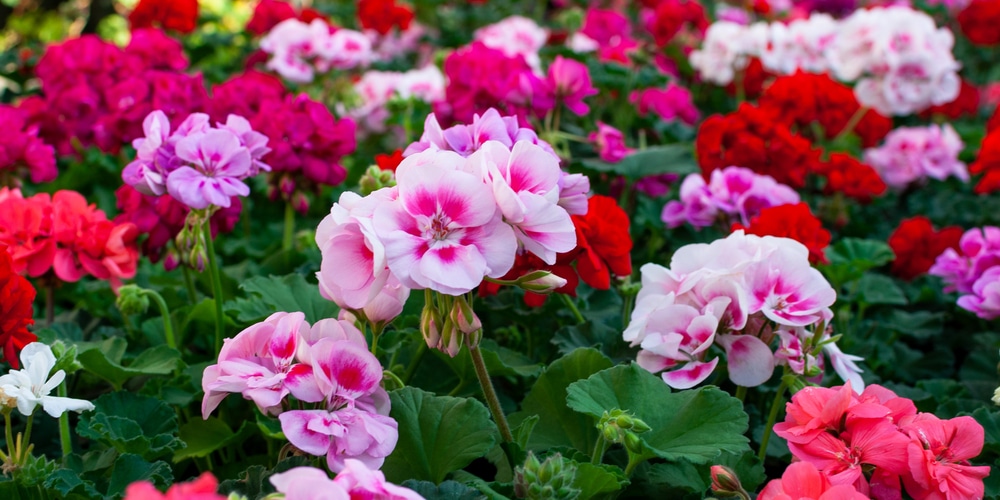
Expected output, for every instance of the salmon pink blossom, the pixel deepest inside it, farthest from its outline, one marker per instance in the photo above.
(802, 481)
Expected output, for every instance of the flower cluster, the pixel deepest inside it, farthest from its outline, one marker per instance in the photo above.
(177, 15)
(732, 194)
(384, 15)
(16, 296)
(973, 269)
(355, 480)
(901, 61)
(911, 154)
(377, 88)
(738, 293)
(845, 174)
(328, 364)
(988, 162)
(874, 440)
(98, 93)
(606, 32)
(803, 480)
(298, 50)
(202, 488)
(795, 221)
(21, 149)
(480, 77)
(197, 164)
(269, 13)
(671, 103)
(978, 21)
(917, 245)
(31, 386)
(515, 36)
(64, 234)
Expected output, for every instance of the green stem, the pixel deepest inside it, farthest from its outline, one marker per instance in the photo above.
(8, 433)
(490, 394)
(213, 269)
(376, 332)
(600, 447)
(287, 238)
(572, 307)
(779, 398)
(27, 432)
(415, 362)
(189, 284)
(741, 392)
(853, 122)
(168, 328)
(386, 374)
(633, 462)
(64, 436)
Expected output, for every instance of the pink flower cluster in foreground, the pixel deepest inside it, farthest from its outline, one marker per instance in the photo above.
(468, 200)
(328, 364)
(877, 443)
(199, 165)
(974, 271)
(354, 481)
(901, 61)
(734, 194)
(914, 153)
(65, 234)
(739, 294)
(298, 50)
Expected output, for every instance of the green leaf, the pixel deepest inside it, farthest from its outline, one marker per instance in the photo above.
(878, 289)
(680, 477)
(69, 484)
(104, 360)
(851, 257)
(448, 490)
(132, 423)
(990, 420)
(747, 467)
(558, 425)
(693, 425)
(671, 158)
(437, 435)
(130, 468)
(289, 293)
(598, 481)
(253, 482)
(205, 436)
(916, 324)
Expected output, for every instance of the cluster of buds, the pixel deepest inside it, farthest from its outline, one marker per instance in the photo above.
(283, 185)
(448, 322)
(376, 178)
(551, 479)
(619, 426)
(190, 241)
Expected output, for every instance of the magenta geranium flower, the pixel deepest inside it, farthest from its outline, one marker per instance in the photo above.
(216, 161)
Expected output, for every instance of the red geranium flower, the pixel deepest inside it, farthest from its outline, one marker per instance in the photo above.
(988, 163)
(389, 162)
(177, 15)
(979, 22)
(383, 15)
(16, 296)
(917, 245)
(604, 242)
(845, 174)
(791, 221)
(966, 104)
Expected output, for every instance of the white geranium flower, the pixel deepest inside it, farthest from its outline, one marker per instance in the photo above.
(31, 386)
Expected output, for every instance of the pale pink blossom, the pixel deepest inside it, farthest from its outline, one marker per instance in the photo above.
(467, 139)
(800, 45)
(978, 251)
(355, 480)
(574, 190)
(787, 289)
(913, 153)
(515, 36)
(984, 299)
(342, 434)
(735, 194)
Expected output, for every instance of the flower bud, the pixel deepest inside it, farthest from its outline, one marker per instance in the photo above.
(375, 178)
(429, 328)
(171, 260)
(300, 202)
(551, 479)
(725, 482)
(541, 282)
(632, 442)
(464, 318)
(286, 185)
(131, 300)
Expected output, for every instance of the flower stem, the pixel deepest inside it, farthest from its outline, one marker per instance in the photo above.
(853, 122)
(599, 448)
(490, 394)
(415, 362)
(27, 431)
(213, 270)
(189, 284)
(741, 392)
(8, 433)
(168, 328)
(779, 398)
(288, 236)
(572, 307)
(64, 436)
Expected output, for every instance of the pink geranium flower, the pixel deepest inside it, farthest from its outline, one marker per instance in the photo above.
(216, 161)
(355, 481)
(801, 481)
(787, 290)
(202, 488)
(863, 442)
(341, 434)
(568, 81)
(610, 143)
(445, 231)
(939, 454)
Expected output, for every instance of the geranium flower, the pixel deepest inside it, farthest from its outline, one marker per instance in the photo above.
(939, 454)
(202, 488)
(603, 238)
(802, 481)
(795, 221)
(218, 161)
(356, 480)
(568, 81)
(609, 142)
(177, 15)
(16, 297)
(863, 442)
(917, 245)
(31, 385)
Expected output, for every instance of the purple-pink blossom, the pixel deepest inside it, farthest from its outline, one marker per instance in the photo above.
(913, 153)
(672, 103)
(355, 480)
(609, 142)
(467, 139)
(734, 194)
(567, 82)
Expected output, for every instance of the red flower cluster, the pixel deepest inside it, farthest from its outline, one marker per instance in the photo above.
(751, 138)
(64, 234)
(791, 221)
(804, 98)
(877, 440)
(988, 164)
(603, 248)
(845, 174)
(671, 16)
(99, 94)
(389, 162)
(383, 15)
(177, 15)
(268, 13)
(16, 295)
(979, 21)
(753, 78)
(162, 218)
(917, 245)
(966, 104)
(21, 149)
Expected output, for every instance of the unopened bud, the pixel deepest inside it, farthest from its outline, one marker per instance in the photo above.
(551, 479)
(464, 318)
(611, 433)
(286, 185)
(131, 300)
(541, 282)
(375, 178)
(171, 261)
(429, 328)
(725, 482)
(632, 442)
(300, 202)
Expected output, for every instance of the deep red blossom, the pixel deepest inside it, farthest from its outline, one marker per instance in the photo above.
(979, 21)
(389, 162)
(791, 221)
(16, 296)
(176, 15)
(754, 77)
(245, 95)
(965, 104)
(383, 15)
(988, 164)
(672, 16)
(751, 138)
(845, 174)
(604, 242)
(917, 245)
